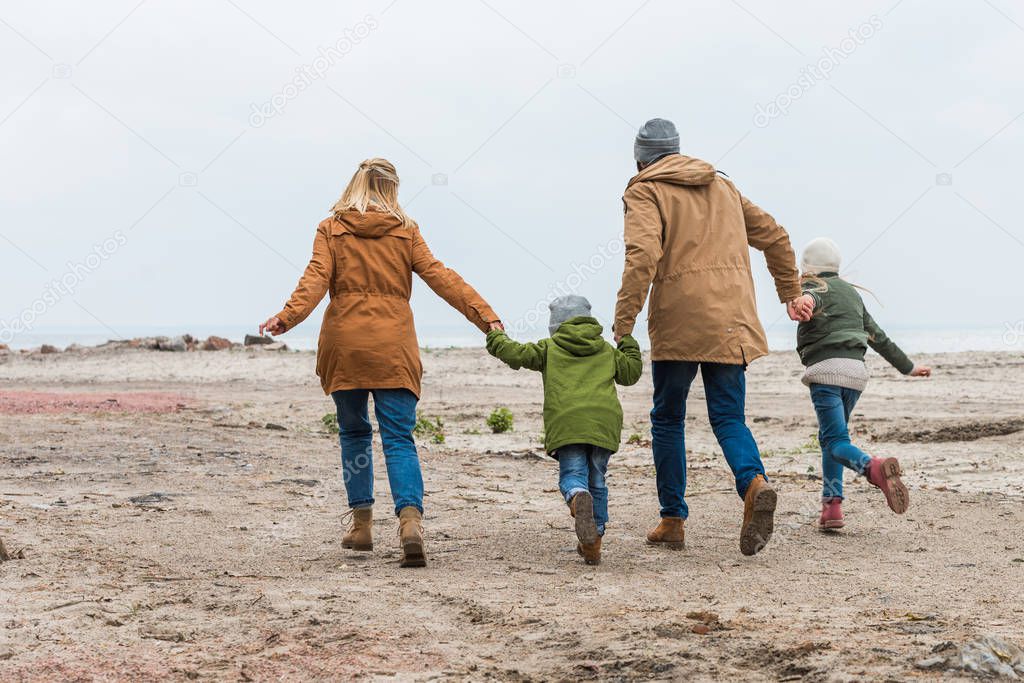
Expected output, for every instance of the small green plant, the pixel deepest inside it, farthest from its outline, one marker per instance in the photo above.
(500, 420)
(330, 422)
(635, 439)
(429, 428)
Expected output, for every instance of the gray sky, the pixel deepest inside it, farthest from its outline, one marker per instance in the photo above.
(133, 123)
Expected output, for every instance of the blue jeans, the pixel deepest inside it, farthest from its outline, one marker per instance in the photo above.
(396, 417)
(582, 467)
(833, 406)
(725, 388)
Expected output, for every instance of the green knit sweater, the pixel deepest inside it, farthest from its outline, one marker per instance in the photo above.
(842, 328)
(580, 370)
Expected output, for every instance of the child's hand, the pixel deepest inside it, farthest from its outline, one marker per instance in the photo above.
(801, 309)
(921, 371)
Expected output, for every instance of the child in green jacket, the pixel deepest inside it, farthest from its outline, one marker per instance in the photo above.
(582, 415)
(832, 345)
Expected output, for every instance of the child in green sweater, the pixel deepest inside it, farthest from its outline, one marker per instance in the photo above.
(832, 345)
(582, 414)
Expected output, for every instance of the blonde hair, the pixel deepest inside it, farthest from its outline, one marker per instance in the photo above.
(821, 285)
(374, 184)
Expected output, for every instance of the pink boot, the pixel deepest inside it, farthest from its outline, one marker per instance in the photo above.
(831, 514)
(885, 474)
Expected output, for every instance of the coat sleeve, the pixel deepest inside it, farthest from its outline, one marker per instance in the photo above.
(765, 235)
(449, 285)
(886, 347)
(642, 235)
(312, 285)
(516, 355)
(629, 364)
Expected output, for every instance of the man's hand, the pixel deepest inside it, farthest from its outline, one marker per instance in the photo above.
(617, 337)
(921, 371)
(273, 326)
(496, 325)
(801, 309)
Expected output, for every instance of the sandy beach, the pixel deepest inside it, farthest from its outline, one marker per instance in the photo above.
(178, 516)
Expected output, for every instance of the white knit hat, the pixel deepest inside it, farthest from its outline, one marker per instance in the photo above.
(821, 256)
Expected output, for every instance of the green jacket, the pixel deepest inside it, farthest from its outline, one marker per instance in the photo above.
(842, 328)
(580, 370)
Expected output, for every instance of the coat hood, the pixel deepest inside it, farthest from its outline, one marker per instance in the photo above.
(677, 169)
(370, 224)
(580, 336)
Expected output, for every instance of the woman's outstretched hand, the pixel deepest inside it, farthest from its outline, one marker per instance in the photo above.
(273, 326)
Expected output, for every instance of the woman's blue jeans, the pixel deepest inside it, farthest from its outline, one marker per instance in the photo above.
(396, 417)
(833, 406)
(582, 467)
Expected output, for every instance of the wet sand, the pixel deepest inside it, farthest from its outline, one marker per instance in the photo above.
(190, 528)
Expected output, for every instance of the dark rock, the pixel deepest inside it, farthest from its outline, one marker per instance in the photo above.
(257, 340)
(175, 344)
(46, 348)
(275, 427)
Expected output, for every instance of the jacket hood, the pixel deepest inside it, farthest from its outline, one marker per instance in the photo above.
(677, 169)
(370, 224)
(580, 336)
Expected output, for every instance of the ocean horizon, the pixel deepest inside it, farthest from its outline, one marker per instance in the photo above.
(913, 339)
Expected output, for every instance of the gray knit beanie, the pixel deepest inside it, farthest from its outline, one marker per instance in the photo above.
(565, 307)
(821, 255)
(656, 138)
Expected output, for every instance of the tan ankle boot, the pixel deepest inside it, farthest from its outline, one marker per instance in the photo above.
(360, 534)
(410, 536)
(669, 533)
(758, 516)
(590, 552)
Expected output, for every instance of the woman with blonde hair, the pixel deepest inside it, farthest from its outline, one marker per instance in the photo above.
(364, 256)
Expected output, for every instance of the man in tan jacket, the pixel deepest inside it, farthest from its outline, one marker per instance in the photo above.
(687, 233)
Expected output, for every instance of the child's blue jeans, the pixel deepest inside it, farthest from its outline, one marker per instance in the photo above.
(582, 467)
(833, 406)
(396, 417)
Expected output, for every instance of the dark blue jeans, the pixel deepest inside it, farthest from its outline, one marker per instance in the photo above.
(582, 467)
(725, 388)
(396, 417)
(833, 406)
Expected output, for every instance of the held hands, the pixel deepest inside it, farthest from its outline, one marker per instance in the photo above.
(273, 326)
(801, 309)
(496, 325)
(921, 371)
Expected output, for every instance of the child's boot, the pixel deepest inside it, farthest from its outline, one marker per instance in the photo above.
(410, 535)
(758, 516)
(360, 535)
(581, 507)
(831, 514)
(885, 474)
(590, 552)
(669, 533)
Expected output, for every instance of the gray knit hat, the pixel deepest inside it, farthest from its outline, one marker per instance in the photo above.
(821, 255)
(656, 138)
(565, 307)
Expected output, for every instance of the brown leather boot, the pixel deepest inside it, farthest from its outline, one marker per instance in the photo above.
(669, 533)
(360, 534)
(410, 536)
(582, 509)
(590, 552)
(758, 516)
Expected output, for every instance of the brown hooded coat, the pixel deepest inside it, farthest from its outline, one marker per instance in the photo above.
(687, 232)
(368, 339)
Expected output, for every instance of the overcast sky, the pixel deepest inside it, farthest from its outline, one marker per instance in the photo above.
(192, 147)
